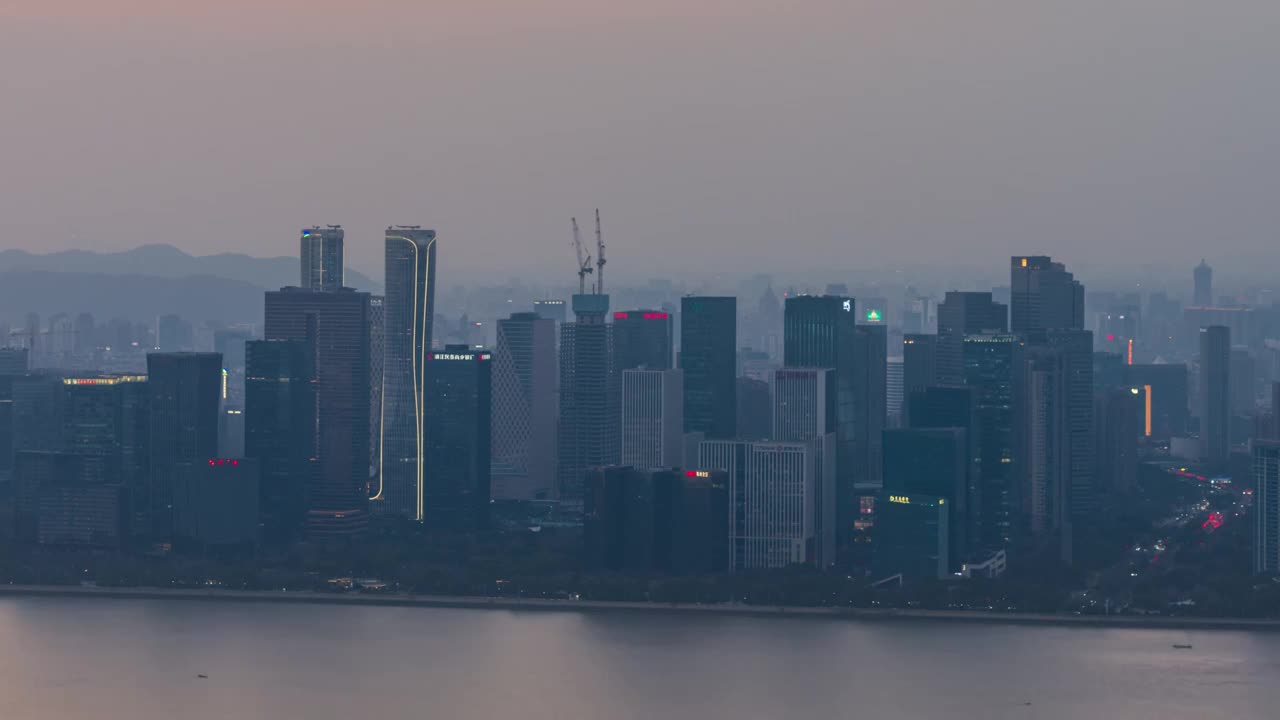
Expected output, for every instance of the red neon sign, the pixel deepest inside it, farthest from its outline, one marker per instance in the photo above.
(656, 316)
(619, 316)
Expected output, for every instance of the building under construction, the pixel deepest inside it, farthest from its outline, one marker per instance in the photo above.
(589, 416)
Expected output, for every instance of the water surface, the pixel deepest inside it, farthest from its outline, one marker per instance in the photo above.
(81, 658)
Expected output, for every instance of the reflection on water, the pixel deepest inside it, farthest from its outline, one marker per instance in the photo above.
(65, 659)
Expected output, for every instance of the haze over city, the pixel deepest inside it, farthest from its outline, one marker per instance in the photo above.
(716, 134)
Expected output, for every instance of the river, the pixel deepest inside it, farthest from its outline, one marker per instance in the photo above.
(91, 658)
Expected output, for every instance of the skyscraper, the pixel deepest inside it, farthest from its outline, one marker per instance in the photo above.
(1266, 507)
(184, 393)
(931, 462)
(1045, 296)
(1215, 394)
(822, 332)
(708, 356)
(972, 313)
(988, 371)
(652, 418)
(589, 418)
(457, 453)
(871, 402)
(919, 366)
(1055, 450)
(954, 408)
(804, 410)
(1203, 277)
(959, 315)
(408, 315)
(322, 258)
(1119, 416)
(524, 408)
(377, 355)
(642, 339)
(336, 325)
(772, 501)
(281, 432)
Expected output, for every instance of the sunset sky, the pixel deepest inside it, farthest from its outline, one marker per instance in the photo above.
(753, 134)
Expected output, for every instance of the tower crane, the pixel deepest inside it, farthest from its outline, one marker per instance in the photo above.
(584, 258)
(600, 261)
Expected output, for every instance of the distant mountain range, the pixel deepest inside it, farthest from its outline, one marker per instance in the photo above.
(145, 282)
(166, 261)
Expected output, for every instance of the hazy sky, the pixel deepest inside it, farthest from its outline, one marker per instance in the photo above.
(771, 134)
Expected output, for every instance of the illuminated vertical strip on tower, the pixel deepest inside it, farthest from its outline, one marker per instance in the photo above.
(1130, 351)
(1147, 392)
(420, 346)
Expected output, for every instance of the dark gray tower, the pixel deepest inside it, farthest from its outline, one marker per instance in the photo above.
(1203, 277)
(1215, 393)
(407, 316)
(321, 255)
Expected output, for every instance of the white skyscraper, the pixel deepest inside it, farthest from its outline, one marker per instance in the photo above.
(804, 411)
(772, 496)
(652, 418)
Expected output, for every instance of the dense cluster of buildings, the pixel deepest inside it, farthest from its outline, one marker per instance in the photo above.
(961, 434)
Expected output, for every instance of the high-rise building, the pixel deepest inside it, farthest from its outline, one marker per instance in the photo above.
(646, 521)
(1266, 507)
(642, 339)
(64, 499)
(919, 366)
(215, 504)
(931, 462)
(988, 371)
(804, 410)
(822, 332)
(524, 408)
(1166, 393)
(948, 409)
(589, 415)
(652, 418)
(281, 435)
(772, 499)
(184, 394)
(871, 401)
(457, 454)
(1045, 296)
(1215, 394)
(1055, 450)
(895, 400)
(1203, 277)
(912, 536)
(755, 409)
(377, 356)
(971, 313)
(962, 314)
(1120, 429)
(106, 418)
(408, 313)
(321, 258)
(708, 356)
(336, 326)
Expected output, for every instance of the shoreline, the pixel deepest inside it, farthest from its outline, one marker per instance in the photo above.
(582, 606)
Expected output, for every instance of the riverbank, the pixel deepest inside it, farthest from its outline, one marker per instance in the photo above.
(538, 605)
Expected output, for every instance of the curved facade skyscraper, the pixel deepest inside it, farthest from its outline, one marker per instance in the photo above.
(408, 311)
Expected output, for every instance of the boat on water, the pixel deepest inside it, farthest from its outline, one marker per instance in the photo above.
(1179, 646)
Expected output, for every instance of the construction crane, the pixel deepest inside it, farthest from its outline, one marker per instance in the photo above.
(584, 258)
(600, 261)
